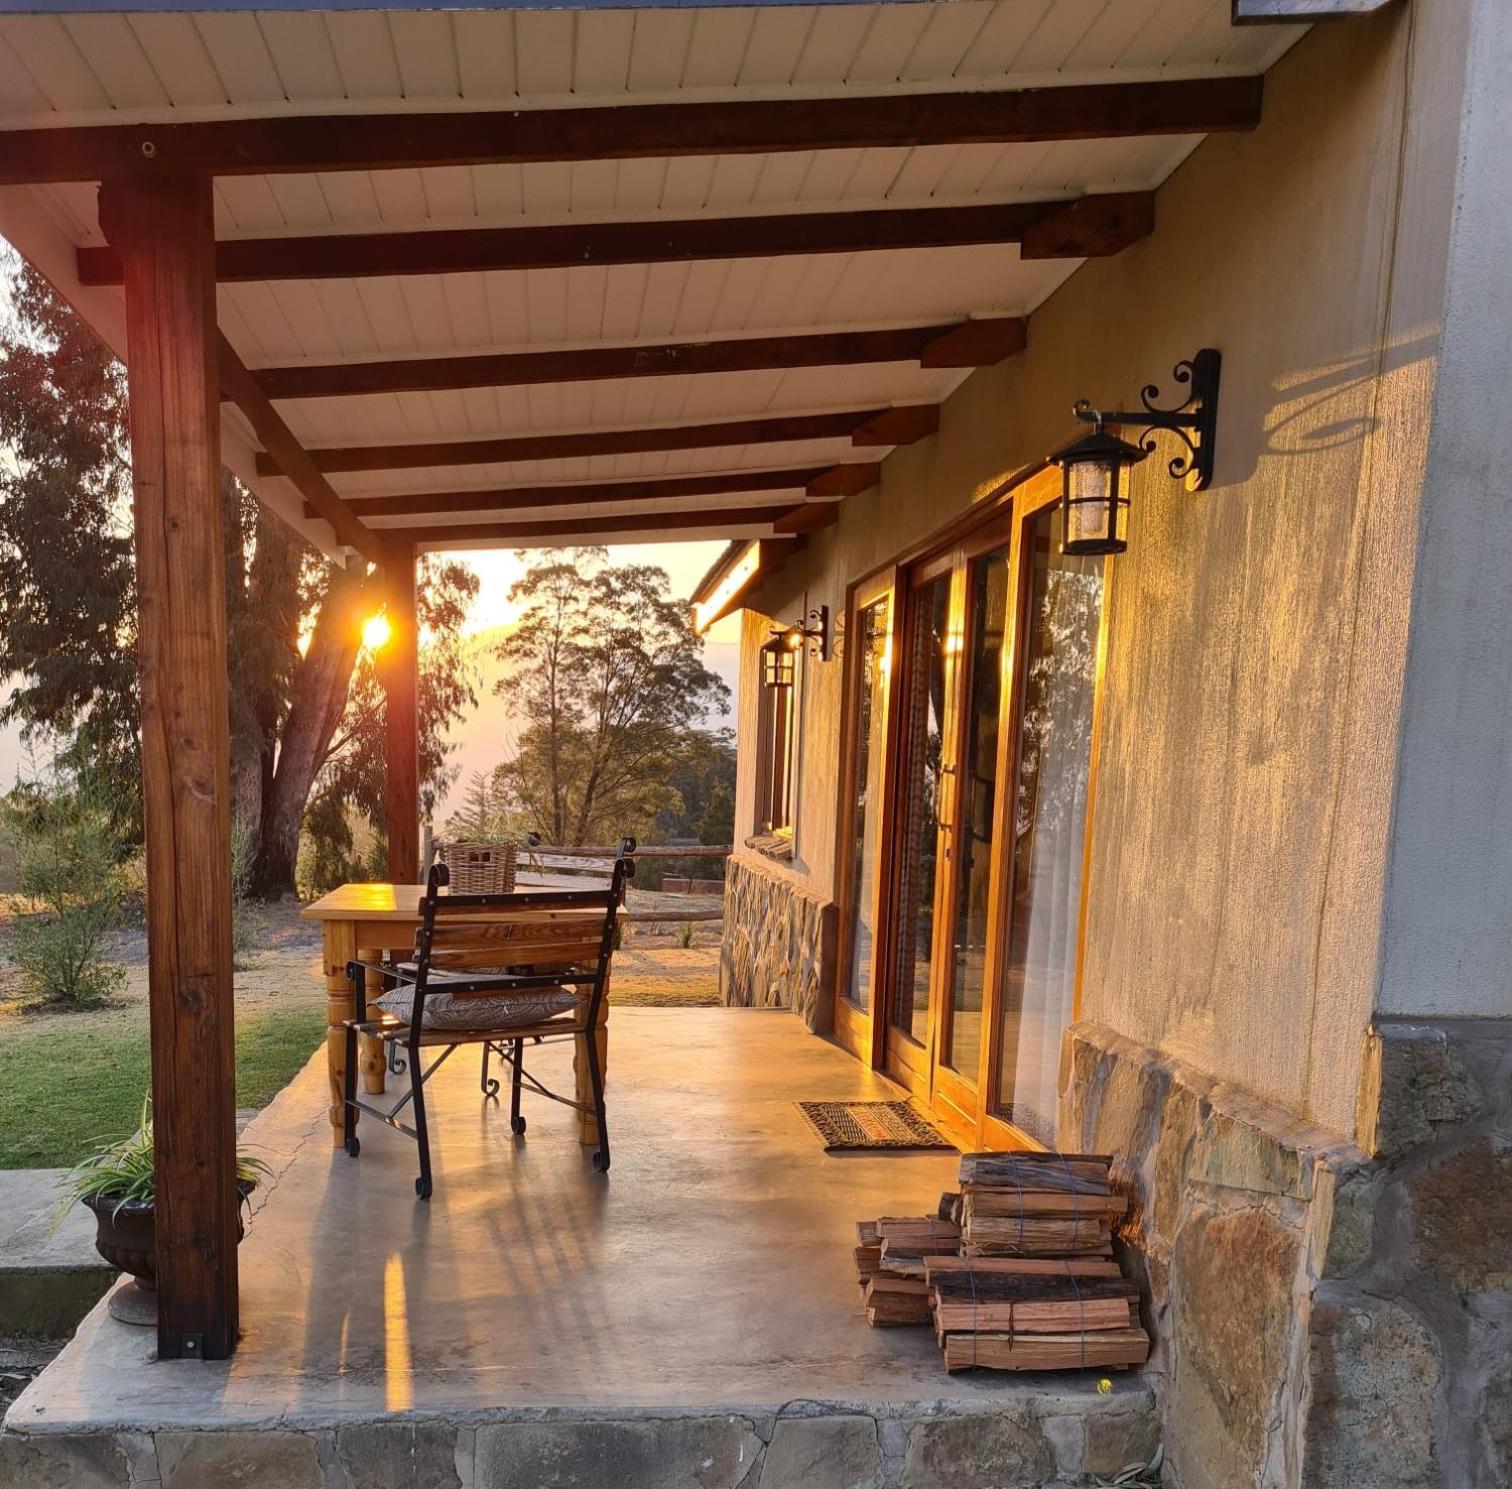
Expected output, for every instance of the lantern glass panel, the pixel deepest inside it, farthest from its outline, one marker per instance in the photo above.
(1095, 504)
(777, 664)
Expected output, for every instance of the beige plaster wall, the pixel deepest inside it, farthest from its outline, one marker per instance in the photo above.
(1448, 940)
(1257, 631)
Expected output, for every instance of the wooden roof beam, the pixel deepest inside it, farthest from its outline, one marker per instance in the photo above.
(842, 481)
(362, 142)
(710, 523)
(830, 481)
(865, 428)
(1110, 222)
(964, 344)
(321, 500)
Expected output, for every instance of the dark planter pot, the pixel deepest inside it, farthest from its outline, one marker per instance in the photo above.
(124, 1235)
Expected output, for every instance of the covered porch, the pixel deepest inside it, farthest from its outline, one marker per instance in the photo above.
(529, 278)
(534, 1324)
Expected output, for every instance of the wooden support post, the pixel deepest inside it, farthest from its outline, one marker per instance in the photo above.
(398, 664)
(164, 233)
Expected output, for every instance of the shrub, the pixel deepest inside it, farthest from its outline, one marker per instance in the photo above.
(68, 867)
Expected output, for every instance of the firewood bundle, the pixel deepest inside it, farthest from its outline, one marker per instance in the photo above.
(890, 1255)
(1015, 1271)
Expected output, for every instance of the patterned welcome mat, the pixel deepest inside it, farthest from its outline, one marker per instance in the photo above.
(844, 1125)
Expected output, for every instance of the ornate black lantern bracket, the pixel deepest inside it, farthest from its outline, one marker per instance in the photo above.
(1194, 421)
(814, 631)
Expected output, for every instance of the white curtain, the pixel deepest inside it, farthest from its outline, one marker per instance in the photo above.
(1063, 668)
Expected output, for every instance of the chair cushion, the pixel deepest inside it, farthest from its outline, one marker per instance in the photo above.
(499, 1011)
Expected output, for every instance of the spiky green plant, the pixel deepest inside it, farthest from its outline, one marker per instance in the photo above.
(123, 1171)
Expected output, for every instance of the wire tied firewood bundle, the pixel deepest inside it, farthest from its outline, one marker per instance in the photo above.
(1015, 1270)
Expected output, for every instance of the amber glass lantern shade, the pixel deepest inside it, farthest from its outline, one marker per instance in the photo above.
(1095, 492)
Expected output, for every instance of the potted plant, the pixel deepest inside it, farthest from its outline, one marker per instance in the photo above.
(116, 1184)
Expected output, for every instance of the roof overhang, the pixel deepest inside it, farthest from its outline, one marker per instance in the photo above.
(731, 574)
(514, 276)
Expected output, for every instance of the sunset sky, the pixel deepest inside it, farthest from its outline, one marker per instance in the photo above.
(484, 738)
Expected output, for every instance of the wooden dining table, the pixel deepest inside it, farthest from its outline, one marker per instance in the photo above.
(363, 922)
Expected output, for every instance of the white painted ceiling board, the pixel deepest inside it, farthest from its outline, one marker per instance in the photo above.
(540, 308)
(650, 465)
(208, 63)
(622, 404)
(239, 52)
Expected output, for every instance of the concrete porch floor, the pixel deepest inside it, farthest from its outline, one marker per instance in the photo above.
(690, 1318)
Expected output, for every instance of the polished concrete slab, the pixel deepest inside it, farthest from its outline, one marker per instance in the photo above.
(709, 1271)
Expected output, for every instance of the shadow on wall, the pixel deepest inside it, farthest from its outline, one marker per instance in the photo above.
(1298, 420)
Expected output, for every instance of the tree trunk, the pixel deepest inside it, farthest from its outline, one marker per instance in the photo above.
(263, 562)
(319, 695)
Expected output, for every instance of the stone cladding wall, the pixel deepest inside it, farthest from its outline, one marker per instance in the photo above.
(1323, 1319)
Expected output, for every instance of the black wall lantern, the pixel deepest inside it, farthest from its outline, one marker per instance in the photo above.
(777, 655)
(777, 664)
(1095, 468)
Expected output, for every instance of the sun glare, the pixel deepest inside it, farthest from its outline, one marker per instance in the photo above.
(376, 631)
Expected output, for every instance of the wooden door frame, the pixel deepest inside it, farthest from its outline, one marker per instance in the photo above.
(864, 1033)
(907, 1060)
(954, 1095)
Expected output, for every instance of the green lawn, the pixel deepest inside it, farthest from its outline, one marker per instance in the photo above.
(63, 1089)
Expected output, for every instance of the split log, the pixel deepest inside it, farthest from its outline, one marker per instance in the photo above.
(893, 1302)
(1093, 1316)
(998, 1351)
(1085, 1173)
(978, 1199)
(1020, 1266)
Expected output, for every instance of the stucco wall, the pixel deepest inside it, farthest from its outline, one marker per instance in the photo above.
(1448, 947)
(1258, 631)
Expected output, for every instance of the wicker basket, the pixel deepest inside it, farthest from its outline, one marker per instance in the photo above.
(480, 868)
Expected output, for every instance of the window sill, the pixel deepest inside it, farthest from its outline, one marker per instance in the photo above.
(775, 845)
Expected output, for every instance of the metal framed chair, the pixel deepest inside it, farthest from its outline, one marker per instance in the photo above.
(476, 956)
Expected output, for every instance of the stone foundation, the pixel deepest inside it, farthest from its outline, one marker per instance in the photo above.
(779, 945)
(1025, 1438)
(1322, 1320)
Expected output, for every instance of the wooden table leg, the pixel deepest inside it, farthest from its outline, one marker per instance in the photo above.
(588, 1129)
(340, 946)
(370, 1052)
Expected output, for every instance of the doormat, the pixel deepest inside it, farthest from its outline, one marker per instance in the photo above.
(845, 1125)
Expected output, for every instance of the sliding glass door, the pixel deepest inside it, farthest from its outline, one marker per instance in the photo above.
(970, 725)
(866, 819)
(1060, 622)
(926, 689)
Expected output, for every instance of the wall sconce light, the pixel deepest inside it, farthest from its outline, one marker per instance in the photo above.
(1095, 495)
(777, 664)
(815, 630)
(777, 655)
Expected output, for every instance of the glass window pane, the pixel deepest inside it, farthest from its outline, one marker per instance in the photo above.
(871, 642)
(925, 680)
(1062, 608)
(987, 599)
